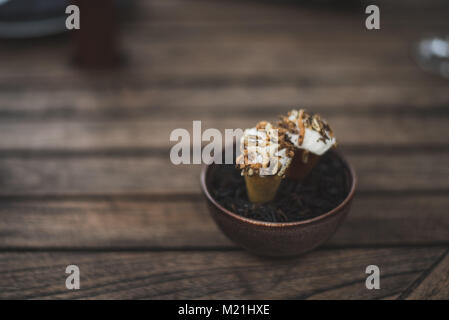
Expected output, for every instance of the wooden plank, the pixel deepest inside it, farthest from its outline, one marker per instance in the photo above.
(314, 31)
(367, 130)
(249, 64)
(435, 285)
(233, 64)
(106, 223)
(280, 56)
(298, 42)
(146, 223)
(288, 57)
(392, 297)
(316, 78)
(96, 175)
(214, 12)
(268, 101)
(332, 274)
(395, 219)
(350, 58)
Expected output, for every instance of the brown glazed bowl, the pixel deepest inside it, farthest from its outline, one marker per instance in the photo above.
(273, 238)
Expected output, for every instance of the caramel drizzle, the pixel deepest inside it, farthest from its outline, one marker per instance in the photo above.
(242, 162)
(301, 127)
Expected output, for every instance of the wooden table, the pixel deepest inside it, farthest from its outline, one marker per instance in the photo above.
(85, 175)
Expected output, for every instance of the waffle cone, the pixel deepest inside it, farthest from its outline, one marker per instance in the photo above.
(262, 189)
(298, 168)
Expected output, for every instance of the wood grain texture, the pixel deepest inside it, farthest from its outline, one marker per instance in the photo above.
(156, 175)
(130, 103)
(173, 11)
(327, 274)
(385, 130)
(324, 76)
(250, 64)
(85, 176)
(233, 45)
(177, 223)
(435, 284)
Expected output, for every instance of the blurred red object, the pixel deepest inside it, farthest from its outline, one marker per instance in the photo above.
(96, 42)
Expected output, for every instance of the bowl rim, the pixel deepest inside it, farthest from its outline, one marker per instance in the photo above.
(325, 215)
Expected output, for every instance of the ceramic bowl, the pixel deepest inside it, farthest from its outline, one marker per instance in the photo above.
(273, 238)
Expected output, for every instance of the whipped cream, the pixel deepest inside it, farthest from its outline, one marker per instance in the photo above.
(263, 151)
(318, 137)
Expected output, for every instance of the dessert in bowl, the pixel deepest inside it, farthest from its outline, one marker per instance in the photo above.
(265, 158)
(264, 209)
(311, 136)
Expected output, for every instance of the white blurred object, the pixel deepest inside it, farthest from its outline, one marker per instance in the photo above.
(432, 54)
